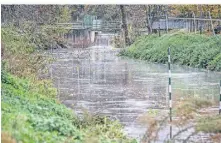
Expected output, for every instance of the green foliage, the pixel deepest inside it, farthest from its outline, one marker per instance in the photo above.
(32, 117)
(189, 106)
(19, 53)
(194, 50)
(210, 124)
(65, 14)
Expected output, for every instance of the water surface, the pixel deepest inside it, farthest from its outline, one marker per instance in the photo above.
(96, 79)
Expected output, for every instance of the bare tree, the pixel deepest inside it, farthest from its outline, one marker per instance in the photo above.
(153, 13)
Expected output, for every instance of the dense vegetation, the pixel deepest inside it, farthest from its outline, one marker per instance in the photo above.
(30, 112)
(29, 116)
(200, 51)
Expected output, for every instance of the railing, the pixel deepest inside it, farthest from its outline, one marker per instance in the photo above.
(104, 26)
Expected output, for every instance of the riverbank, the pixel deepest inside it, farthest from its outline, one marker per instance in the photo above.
(199, 51)
(30, 116)
(30, 111)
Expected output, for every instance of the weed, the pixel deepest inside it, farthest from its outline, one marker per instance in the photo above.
(209, 124)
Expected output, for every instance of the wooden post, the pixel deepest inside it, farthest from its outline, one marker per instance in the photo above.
(74, 38)
(220, 97)
(219, 16)
(211, 23)
(194, 22)
(81, 38)
(89, 72)
(51, 48)
(51, 75)
(159, 29)
(51, 65)
(78, 79)
(58, 88)
(200, 29)
(167, 27)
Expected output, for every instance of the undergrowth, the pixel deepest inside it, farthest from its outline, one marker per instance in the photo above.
(200, 51)
(32, 117)
(209, 124)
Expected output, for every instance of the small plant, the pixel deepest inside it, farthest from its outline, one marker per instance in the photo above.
(209, 124)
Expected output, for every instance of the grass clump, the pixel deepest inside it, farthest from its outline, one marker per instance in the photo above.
(193, 50)
(188, 109)
(209, 124)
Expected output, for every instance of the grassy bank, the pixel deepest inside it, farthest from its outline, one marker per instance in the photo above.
(30, 112)
(29, 116)
(200, 51)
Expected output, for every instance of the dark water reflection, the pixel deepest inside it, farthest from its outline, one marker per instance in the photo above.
(96, 79)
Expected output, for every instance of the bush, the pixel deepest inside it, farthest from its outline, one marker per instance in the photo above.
(193, 50)
(210, 124)
(28, 116)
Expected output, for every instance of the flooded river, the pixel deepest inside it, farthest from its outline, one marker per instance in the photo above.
(96, 79)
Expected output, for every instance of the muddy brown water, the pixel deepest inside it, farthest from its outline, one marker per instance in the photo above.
(96, 79)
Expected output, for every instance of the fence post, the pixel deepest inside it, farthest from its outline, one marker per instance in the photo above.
(51, 48)
(194, 22)
(170, 95)
(167, 23)
(51, 74)
(159, 30)
(220, 97)
(59, 91)
(211, 23)
(201, 29)
(78, 72)
(219, 16)
(81, 38)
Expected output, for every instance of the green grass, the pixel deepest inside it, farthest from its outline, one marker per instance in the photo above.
(210, 124)
(199, 51)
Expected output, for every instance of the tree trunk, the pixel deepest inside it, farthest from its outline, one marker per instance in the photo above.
(148, 20)
(124, 26)
(219, 13)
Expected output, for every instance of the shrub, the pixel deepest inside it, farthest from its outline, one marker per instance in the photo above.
(194, 50)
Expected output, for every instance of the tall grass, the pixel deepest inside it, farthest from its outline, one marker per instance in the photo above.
(200, 51)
